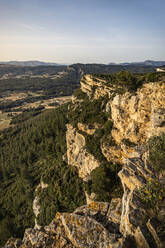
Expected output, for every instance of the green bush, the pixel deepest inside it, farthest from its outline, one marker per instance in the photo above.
(101, 135)
(126, 81)
(152, 194)
(105, 182)
(79, 94)
(153, 77)
(122, 81)
(93, 143)
(89, 112)
(156, 148)
(107, 128)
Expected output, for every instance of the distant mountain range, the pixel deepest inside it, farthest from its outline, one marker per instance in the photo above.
(29, 63)
(73, 72)
(40, 63)
(145, 63)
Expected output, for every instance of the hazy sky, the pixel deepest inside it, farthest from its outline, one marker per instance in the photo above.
(70, 31)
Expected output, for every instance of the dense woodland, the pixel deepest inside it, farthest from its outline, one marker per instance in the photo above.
(13, 70)
(31, 151)
(86, 68)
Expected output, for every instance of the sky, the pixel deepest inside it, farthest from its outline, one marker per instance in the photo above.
(82, 31)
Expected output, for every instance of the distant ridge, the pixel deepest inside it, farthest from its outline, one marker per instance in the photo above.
(41, 63)
(30, 63)
(144, 63)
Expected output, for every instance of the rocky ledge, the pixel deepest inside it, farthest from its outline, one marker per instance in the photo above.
(122, 223)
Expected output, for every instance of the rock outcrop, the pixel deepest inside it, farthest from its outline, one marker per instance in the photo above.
(139, 116)
(93, 225)
(78, 155)
(136, 116)
(36, 204)
(95, 87)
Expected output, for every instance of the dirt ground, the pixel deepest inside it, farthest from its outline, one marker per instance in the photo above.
(4, 121)
(5, 118)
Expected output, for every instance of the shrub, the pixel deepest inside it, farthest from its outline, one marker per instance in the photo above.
(89, 112)
(129, 143)
(152, 77)
(107, 128)
(127, 80)
(80, 94)
(105, 182)
(122, 81)
(101, 135)
(156, 148)
(152, 193)
(93, 143)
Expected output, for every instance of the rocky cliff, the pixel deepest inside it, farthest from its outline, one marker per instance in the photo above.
(77, 154)
(134, 138)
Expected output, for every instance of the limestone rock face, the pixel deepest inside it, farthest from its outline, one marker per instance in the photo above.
(90, 198)
(36, 205)
(89, 226)
(88, 129)
(77, 154)
(112, 153)
(139, 116)
(120, 152)
(134, 175)
(93, 86)
(136, 116)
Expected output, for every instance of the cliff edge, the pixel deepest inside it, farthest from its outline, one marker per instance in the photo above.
(116, 138)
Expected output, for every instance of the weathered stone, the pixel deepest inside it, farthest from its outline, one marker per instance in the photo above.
(111, 153)
(36, 205)
(77, 154)
(114, 211)
(90, 198)
(89, 129)
(13, 243)
(139, 116)
(94, 86)
(88, 226)
(93, 209)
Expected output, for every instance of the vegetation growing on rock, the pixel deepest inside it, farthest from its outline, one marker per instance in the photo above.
(105, 182)
(127, 81)
(152, 194)
(79, 94)
(156, 148)
(89, 112)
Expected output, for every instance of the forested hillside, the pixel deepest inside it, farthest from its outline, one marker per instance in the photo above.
(31, 151)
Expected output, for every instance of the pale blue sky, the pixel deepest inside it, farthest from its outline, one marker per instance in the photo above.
(93, 31)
